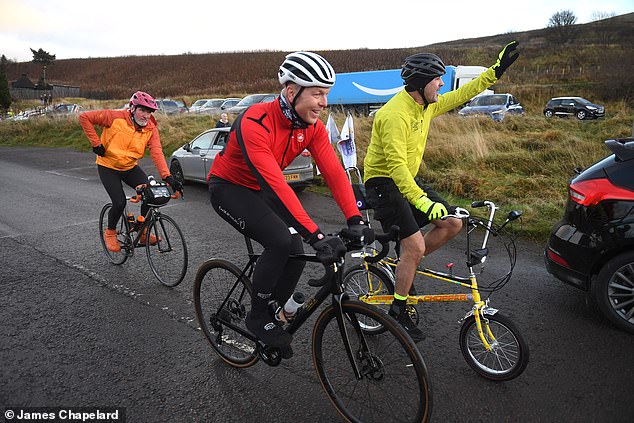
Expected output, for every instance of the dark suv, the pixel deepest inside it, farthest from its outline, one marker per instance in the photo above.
(573, 106)
(592, 247)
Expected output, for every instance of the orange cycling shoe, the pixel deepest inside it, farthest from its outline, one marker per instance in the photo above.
(112, 243)
(143, 239)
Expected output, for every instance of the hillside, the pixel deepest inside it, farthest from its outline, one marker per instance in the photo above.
(597, 62)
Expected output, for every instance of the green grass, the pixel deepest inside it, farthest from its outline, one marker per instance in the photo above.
(521, 163)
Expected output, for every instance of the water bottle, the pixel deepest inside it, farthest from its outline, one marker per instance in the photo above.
(139, 222)
(293, 304)
(151, 180)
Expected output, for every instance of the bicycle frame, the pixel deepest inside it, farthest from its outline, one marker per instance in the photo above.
(151, 216)
(333, 286)
(480, 308)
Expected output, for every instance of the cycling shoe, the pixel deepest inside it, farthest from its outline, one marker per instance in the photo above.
(403, 318)
(267, 330)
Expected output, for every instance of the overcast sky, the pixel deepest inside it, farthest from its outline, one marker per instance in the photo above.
(85, 28)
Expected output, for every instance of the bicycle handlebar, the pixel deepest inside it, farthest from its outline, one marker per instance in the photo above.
(384, 240)
(352, 241)
(139, 193)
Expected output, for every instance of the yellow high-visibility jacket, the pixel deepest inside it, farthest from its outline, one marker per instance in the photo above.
(399, 134)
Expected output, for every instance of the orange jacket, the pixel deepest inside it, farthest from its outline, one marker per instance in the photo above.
(123, 143)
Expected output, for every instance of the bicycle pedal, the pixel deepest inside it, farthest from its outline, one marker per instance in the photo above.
(270, 355)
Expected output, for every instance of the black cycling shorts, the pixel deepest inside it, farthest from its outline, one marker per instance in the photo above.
(391, 208)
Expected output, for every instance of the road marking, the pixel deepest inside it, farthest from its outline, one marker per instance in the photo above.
(54, 172)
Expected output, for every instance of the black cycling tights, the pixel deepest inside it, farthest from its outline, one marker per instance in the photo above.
(275, 276)
(111, 180)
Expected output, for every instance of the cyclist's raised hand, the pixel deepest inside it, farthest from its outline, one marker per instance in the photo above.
(328, 248)
(174, 183)
(99, 150)
(433, 210)
(507, 56)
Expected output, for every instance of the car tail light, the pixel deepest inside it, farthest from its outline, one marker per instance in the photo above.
(593, 191)
(553, 256)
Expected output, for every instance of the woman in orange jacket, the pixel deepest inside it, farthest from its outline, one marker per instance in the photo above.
(125, 136)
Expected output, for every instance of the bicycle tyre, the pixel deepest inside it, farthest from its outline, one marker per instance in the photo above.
(394, 385)
(122, 236)
(217, 280)
(509, 356)
(168, 257)
(358, 280)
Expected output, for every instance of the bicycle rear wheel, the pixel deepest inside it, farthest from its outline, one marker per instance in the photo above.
(122, 236)
(168, 257)
(508, 356)
(393, 385)
(222, 300)
(359, 281)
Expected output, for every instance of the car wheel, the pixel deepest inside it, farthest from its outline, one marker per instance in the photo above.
(177, 171)
(548, 113)
(581, 114)
(614, 291)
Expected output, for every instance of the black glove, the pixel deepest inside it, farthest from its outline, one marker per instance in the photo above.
(329, 248)
(507, 56)
(99, 150)
(356, 225)
(174, 183)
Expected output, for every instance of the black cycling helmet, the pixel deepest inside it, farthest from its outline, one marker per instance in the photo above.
(418, 69)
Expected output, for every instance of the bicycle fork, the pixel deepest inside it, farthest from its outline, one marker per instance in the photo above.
(480, 308)
(337, 303)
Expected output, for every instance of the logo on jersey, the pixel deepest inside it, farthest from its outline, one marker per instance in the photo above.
(300, 137)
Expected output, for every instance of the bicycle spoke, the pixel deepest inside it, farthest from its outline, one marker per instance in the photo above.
(392, 386)
(168, 257)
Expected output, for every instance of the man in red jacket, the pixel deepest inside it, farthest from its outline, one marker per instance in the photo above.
(248, 190)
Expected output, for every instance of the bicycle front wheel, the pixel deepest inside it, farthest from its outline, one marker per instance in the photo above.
(122, 237)
(168, 256)
(393, 384)
(360, 281)
(507, 356)
(222, 299)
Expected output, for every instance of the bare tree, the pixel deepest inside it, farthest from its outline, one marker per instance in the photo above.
(561, 26)
(603, 32)
(599, 16)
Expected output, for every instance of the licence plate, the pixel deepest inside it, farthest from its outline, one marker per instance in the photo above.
(292, 177)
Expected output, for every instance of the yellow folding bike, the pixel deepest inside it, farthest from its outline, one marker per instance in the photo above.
(489, 341)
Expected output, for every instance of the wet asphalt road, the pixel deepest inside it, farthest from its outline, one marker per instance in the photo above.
(77, 331)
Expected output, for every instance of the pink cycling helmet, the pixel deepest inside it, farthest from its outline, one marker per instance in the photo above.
(140, 98)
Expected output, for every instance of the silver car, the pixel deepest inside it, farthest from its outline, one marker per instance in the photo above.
(193, 160)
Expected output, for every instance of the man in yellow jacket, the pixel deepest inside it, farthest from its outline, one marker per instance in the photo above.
(397, 145)
(125, 136)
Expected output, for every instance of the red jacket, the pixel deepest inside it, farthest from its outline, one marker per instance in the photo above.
(269, 145)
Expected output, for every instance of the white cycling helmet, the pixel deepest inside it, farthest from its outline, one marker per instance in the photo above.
(307, 69)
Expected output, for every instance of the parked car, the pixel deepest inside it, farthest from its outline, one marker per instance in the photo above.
(573, 106)
(592, 246)
(494, 105)
(211, 107)
(193, 160)
(64, 109)
(229, 102)
(170, 107)
(250, 100)
(198, 104)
